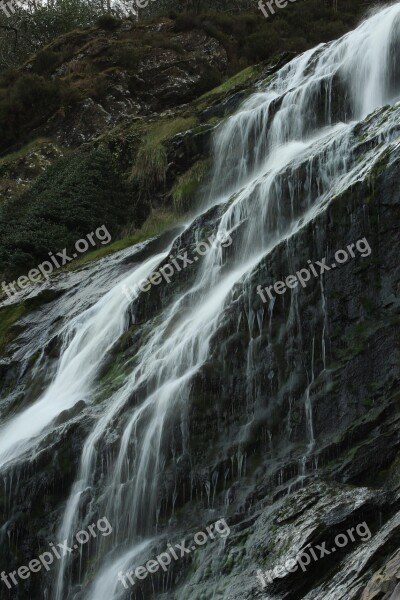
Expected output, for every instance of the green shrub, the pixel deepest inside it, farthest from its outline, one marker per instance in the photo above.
(75, 195)
(34, 91)
(151, 162)
(108, 22)
(187, 186)
(185, 22)
(208, 81)
(128, 57)
(29, 102)
(45, 62)
(263, 45)
(25, 104)
(8, 77)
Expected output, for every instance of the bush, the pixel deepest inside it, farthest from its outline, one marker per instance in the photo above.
(29, 102)
(186, 22)
(187, 186)
(128, 57)
(25, 104)
(45, 62)
(108, 22)
(35, 92)
(75, 195)
(263, 45)
(8, 77)
(208, 81)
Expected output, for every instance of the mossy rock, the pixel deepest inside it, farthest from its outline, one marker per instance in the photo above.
(151, 163)
(187, 186)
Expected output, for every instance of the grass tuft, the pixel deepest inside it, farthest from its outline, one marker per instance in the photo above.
(187, 186)
(151, 163)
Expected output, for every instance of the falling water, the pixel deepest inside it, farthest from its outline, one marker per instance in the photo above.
(281, 120)
(86, 340)
(298, 128)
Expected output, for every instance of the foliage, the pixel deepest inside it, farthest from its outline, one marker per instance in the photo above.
(249, 36)
(33, 25)
(45, 61)
(8, 316)
(158, 221)
(211, 79)
(28, 102)
(187, 186)
(303, 23)
(76, 195)
(150, 167)
(108, 22)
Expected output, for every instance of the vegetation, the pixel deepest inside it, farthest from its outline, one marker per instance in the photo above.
(28, 102)
(8, 316)
(30, 94)
(158, 221)
(76, 195)
(11, 158)
(249, 37)
(187, 186)
(236, 82)
(85, 190)
(151, 163)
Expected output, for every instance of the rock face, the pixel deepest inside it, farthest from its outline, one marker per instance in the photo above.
(290, 431)
(164, 77)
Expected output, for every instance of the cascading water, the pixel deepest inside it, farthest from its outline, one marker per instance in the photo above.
(282, 158)
(86, 339)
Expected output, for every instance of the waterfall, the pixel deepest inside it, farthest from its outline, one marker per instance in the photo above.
(86, 339)
(279, 161)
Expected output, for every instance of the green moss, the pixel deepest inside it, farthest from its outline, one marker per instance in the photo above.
(22, 152)
(352, 454)
(187, 186)
(368, 403)
(9, 315)
(159, 221)
(239, 80)
(379, 167)
(150, 167)
(228, 565)
(356, 338)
